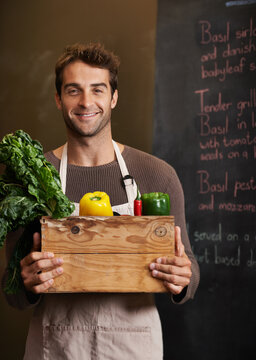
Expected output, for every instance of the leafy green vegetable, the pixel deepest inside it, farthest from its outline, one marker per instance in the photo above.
(29, 188)
(22, 248)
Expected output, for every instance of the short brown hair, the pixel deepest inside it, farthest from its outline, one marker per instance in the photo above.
(93, 54)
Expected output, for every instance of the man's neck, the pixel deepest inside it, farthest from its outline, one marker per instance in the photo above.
(89, 151)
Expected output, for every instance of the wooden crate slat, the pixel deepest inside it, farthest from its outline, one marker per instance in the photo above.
(107, 273)
(119, 234)
(108, 254)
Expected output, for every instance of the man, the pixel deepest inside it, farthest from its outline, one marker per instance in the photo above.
(101, 326)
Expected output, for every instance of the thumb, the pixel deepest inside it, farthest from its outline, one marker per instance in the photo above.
(36, 242)
(179, 248)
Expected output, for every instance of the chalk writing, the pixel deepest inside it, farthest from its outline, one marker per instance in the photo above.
(226, 133)
(237, 207)
(244, 186)
(252, 259)
(230, 51)
(249, 103)
(221, 73)
(207, 129)
(202, 258)
(225, 123)
(223, 249)
(207, 206)
(220, 235)
(235, 46)
(206, 108)
(208, 36)
(207, 186)
(215, 236)
(220, 258)
(217, 256)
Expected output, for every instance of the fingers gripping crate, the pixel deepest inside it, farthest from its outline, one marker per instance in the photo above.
(108, 254)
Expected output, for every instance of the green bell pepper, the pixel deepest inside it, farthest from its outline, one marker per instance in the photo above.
(155, 203)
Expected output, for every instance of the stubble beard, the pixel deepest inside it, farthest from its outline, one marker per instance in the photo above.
(78, 130)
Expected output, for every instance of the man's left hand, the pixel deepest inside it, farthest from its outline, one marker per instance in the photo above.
(176, 271)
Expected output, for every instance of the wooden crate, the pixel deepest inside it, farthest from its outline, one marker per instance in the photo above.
(108, 254)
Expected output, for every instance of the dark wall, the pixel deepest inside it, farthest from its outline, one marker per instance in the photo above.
(205, 127)
(32, 36)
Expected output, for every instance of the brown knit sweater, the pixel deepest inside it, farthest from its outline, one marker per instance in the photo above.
(150, 173)
(81, 322)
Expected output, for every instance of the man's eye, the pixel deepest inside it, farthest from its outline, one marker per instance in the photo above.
(72, 91)
(97, 91)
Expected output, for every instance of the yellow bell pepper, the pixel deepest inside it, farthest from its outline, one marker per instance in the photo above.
(95, 204)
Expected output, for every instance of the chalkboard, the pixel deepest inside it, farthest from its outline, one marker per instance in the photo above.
(205, 126)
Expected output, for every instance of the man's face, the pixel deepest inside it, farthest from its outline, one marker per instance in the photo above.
(86, 101)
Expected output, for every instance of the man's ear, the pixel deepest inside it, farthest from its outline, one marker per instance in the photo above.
(114, 99)
(58, 101)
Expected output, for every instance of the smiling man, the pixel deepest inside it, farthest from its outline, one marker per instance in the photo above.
(86, 100)
(103, 325)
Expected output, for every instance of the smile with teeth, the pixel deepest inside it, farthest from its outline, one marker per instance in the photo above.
(86, 115)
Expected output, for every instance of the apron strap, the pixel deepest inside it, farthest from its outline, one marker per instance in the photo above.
(63, 167)
(129, 182)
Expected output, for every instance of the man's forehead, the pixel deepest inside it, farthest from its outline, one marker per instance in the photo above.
(83, 72)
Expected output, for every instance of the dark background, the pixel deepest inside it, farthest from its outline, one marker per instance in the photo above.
(32, 36)
(220, 322)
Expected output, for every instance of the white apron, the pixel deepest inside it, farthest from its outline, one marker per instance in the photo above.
(102, 326)
(129, 182)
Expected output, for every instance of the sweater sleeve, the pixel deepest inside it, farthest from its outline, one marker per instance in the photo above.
(153, 174)
(22, 300)
(175, 191)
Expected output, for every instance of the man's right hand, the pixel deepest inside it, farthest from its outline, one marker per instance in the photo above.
(38, 269)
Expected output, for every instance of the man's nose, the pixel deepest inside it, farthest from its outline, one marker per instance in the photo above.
(85, 99)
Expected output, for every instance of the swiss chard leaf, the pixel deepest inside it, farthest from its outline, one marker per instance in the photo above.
(29, 188)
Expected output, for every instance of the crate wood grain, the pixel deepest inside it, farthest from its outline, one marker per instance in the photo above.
(108, 254)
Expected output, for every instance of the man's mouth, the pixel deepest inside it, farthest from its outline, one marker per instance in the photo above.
(87, 115)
